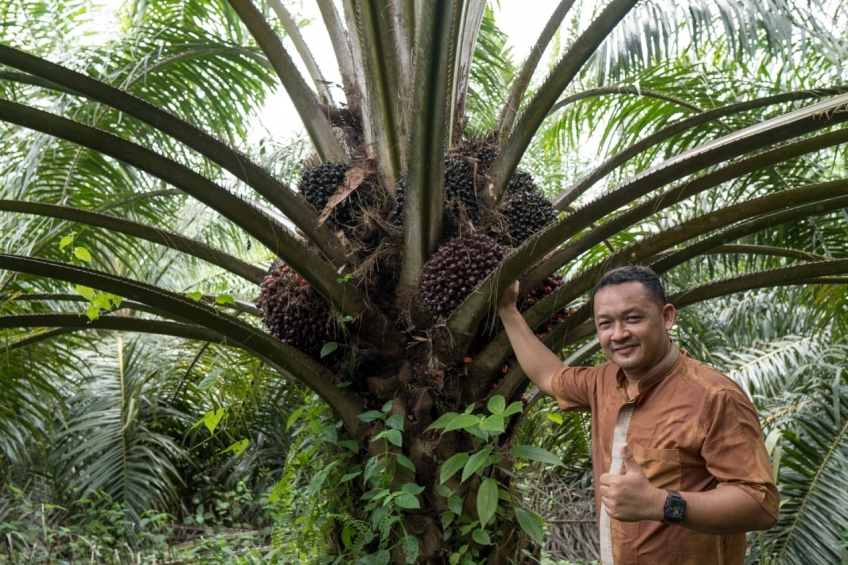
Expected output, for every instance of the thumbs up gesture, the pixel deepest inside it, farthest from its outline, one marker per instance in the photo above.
(631, 497)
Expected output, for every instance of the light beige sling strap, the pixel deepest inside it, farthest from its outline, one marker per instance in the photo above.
(618, 439)
(622, 423)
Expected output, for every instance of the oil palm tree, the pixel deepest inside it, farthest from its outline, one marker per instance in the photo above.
(111, 154)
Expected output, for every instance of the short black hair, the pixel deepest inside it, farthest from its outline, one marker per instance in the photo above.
(631, 273)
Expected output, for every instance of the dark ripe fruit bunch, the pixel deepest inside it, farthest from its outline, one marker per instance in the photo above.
(543, 289)
(460, 192)
(319, 183)
(525, 214)
(397, 213)
(482, 151)
(521, 182)
(293, 312)
(455, 269)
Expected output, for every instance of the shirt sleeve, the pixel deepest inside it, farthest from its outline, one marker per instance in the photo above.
(734, 450)
(574, 388)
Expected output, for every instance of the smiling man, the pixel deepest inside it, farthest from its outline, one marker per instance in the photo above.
(681, 471)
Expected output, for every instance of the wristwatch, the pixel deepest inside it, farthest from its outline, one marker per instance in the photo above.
(674, 509)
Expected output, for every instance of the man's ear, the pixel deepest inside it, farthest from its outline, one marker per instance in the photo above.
(669, 312)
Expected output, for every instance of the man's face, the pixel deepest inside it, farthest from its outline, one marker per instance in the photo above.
(632, 327)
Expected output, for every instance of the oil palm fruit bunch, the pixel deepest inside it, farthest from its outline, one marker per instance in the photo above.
(461, 190)
(524, 214)
(455, 269)
(293, 311)
(539, 292)
(319, 183)
(397, 213)
(521, 182)
(482, 151)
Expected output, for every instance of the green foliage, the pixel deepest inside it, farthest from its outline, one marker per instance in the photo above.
(308, 495)
(493, 499)
(93, 529)
(811, 457)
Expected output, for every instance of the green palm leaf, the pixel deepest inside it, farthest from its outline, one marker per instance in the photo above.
(812, 522)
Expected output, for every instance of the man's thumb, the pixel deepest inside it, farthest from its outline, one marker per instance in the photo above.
(630, 464)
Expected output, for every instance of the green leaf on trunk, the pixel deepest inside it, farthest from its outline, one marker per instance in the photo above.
(373, 467)
(370, 416)
(444, 491)
(481, 537)
(395, 421)
(514, 408)
(406, 500)
(476, 462)
(328, 348)
(443, 421)
(532, 524)
(494, 423)
(452, 465)
(349, 444)
(93, 312)
(477, 432)
(405, 462)
(371, 494)
(536, 454)
(392, 436)
(496, 404)
(412, 549)
(412, 488)
(455, 505)
(383, 557)
(461, 422)
(487, 501)
(66, 241)
(194, 295)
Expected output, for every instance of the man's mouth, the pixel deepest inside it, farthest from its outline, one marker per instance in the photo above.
(625, 349)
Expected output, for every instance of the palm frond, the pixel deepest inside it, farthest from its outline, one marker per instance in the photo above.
(109, 442)
(812, 524)
(652, 32)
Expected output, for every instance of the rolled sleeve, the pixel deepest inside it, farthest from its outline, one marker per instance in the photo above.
(734, 450)
(574, 388)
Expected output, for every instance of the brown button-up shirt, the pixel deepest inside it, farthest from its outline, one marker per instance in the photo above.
(692, 430)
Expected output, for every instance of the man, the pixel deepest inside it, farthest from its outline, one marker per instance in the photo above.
(680, 467)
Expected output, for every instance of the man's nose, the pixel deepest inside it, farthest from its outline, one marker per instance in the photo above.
(619, 331)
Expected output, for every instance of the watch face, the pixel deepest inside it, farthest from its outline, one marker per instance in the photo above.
(675, 510)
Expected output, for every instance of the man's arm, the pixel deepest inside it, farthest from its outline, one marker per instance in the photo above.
(537, 361)
(727, 510)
